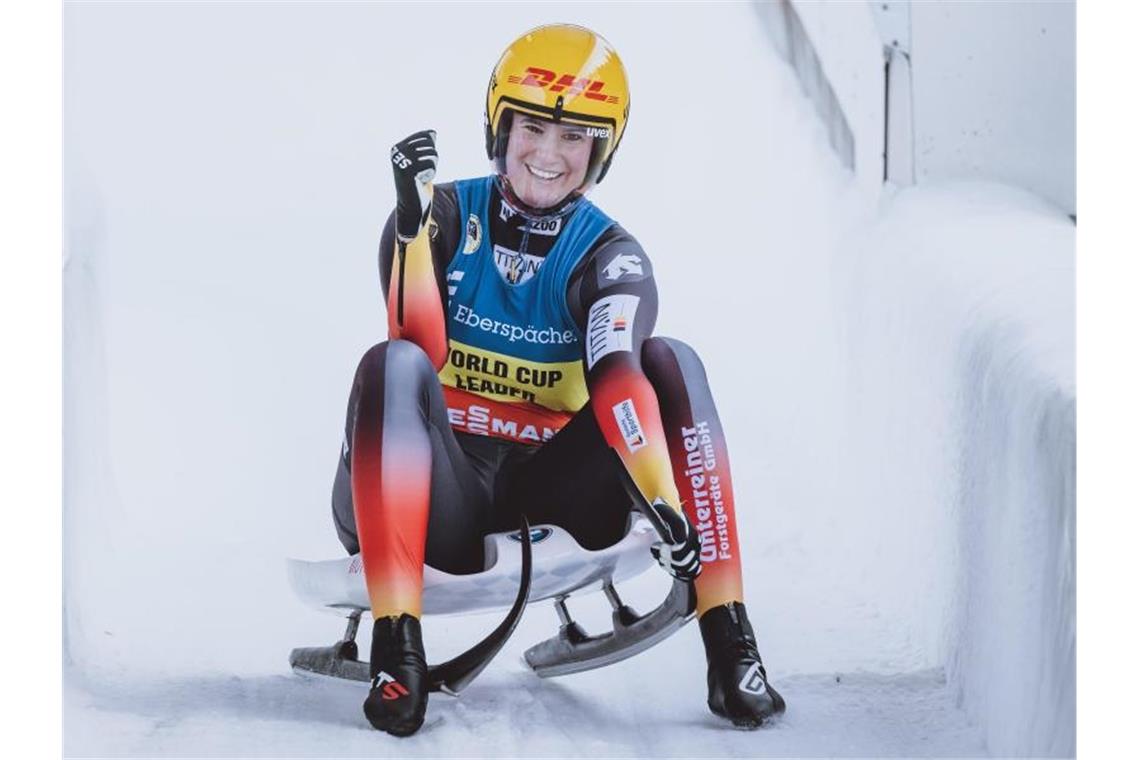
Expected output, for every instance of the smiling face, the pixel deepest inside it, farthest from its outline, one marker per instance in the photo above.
(546, 161)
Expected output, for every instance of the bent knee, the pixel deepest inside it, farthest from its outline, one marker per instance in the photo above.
(400, 358)
(402, 350)
(408, 358)
(670, 354)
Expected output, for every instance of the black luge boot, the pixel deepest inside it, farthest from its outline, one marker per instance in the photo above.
(398, 698)
(738, 685)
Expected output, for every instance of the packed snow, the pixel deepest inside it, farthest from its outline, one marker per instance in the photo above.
(903, 503)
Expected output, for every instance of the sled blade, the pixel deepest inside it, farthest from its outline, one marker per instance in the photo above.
(328, 661)
(338, 661)
(452, 676)
(571, 651)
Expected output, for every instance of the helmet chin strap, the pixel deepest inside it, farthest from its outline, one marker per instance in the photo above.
(563, 207)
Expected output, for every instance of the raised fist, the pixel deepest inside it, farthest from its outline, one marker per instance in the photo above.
(413, 163)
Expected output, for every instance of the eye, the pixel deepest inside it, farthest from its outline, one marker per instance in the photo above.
(573, 136)
(533, 128)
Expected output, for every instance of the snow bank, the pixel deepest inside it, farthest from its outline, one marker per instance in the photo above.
(956, 317)
(960, 328)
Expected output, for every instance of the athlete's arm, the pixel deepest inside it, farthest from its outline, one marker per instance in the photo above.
(423, 286)
(616, 292)
(616, 300)
(415, 303)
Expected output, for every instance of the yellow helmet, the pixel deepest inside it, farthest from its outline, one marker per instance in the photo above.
(564, 73)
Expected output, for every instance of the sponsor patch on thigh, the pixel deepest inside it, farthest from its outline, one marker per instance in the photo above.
(626, 415)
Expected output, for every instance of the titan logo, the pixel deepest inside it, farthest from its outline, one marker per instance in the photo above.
(568, 83)
(393, 689)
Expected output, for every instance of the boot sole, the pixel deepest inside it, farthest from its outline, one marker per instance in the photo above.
(748, 723)
(397, 729)
(396, 725)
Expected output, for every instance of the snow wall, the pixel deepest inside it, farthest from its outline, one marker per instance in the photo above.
(989, 272)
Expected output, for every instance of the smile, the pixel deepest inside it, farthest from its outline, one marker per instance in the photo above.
(542, 173)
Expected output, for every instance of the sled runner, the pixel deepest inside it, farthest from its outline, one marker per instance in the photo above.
(527, 565)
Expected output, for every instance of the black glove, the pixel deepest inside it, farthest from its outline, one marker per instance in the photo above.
(413, 163)
(679, 552)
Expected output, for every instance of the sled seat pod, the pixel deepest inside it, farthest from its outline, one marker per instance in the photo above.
(560, 567)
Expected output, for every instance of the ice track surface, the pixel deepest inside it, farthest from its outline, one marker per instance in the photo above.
(510, 714)
(649, 706)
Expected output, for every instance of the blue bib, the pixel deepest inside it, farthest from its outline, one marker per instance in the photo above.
(516, 342)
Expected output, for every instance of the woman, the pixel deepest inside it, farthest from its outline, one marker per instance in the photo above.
(520, 358)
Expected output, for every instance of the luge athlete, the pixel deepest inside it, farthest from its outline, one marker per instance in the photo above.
(520, 356)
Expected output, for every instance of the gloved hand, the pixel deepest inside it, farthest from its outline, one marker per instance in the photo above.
(413, 163)
(680, 551)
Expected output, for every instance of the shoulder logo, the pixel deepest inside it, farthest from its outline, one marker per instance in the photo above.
(621, 265)
(474, 234)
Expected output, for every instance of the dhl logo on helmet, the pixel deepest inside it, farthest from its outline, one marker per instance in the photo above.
(546, 79)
